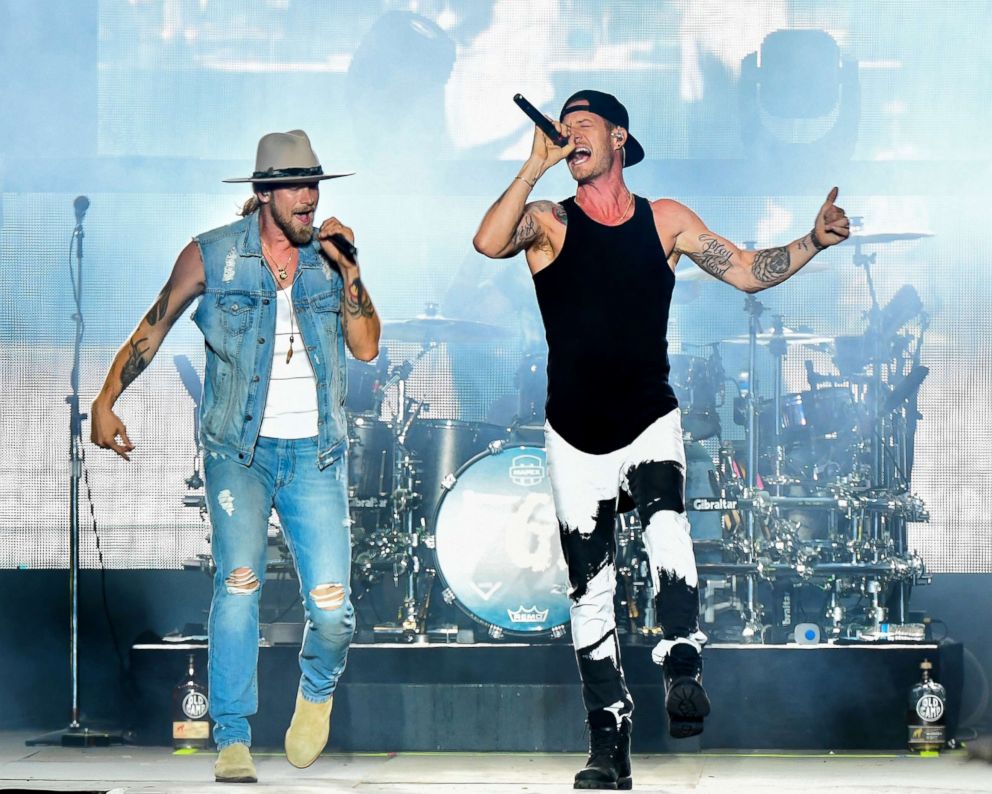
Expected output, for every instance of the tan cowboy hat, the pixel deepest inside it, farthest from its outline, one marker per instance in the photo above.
(286, 158)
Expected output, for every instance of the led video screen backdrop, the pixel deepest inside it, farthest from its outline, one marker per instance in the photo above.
(415, 98)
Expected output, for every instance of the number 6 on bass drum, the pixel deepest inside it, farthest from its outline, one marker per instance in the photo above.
(497, 547)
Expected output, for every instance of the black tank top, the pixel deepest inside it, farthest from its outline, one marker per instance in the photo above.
(605, 303)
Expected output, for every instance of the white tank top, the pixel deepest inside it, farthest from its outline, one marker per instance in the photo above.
(291, 404)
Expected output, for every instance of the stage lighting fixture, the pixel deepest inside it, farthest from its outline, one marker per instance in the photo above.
(799, 98)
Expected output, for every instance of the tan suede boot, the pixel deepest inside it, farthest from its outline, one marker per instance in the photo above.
(307, 734)
(234, 765)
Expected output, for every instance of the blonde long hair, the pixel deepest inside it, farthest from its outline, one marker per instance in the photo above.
(249, 206)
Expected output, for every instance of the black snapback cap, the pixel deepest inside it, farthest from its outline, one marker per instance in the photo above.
(611, 109)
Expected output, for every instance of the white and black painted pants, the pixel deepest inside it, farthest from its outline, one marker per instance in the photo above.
(587, 487)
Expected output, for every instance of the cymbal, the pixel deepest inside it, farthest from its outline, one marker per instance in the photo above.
(788, 335)
(694, 274)
(436, 328)
(874, 238)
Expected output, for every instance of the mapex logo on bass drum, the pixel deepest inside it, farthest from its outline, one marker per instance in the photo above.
(527, 470)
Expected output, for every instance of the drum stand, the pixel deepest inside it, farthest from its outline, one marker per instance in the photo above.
(413, 616)
(882, 477)
(753, 629)
(777, 347)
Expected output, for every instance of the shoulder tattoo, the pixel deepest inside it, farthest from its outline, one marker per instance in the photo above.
(527, 230)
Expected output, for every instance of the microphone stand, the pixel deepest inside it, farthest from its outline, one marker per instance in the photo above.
(76, 734)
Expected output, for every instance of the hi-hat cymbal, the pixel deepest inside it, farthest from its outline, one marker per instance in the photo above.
(875, 238)
(435, 328)
(788, 335)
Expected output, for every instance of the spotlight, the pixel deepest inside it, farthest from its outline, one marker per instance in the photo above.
(799, 98)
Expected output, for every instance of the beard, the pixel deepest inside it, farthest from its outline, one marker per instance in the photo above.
(295, 233)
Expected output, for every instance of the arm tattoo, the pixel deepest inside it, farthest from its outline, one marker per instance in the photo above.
(556, 209)
(771, 265)
(135, 363)
(526, 232)
(158, 310)
(714, 258)
(357, 302)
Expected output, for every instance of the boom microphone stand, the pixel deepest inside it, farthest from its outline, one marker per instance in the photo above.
(76, 734)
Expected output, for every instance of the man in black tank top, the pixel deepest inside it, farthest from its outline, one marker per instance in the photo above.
(613, 424)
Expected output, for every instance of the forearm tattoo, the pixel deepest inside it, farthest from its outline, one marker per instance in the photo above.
(771, 265)
(135, 363)
(714, 258)
(357, 302)
(161, 306)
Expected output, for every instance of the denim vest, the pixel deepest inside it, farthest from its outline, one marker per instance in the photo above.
(237, 315)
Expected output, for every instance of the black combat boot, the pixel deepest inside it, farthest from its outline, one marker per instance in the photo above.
(608, 766)
(685, 700)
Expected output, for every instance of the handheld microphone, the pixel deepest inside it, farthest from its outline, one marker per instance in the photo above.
(540, 120)
(345, 246)
(80, 205)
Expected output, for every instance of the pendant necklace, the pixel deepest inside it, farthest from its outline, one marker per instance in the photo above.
(292, 330)
(281, 269)
(283, 275)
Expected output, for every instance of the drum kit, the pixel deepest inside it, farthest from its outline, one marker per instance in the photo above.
(817, 499)
(812, 506)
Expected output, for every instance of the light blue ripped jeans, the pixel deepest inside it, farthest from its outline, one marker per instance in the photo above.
(312, 506)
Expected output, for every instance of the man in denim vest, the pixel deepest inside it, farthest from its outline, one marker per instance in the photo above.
(279, 301)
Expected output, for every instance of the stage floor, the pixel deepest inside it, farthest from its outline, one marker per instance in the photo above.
(151, 770)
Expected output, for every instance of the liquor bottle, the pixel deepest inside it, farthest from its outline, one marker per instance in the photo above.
(925, 717)
(190, 725)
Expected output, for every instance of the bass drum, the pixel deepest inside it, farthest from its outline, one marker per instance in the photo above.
(497, 547)
(440, 447)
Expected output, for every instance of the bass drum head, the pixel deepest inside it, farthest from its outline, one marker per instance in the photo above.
(497, 546)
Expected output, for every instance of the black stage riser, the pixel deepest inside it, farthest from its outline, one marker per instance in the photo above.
(526, 698)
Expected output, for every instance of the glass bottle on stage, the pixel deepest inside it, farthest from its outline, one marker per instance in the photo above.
(926, 714)
(190, 724)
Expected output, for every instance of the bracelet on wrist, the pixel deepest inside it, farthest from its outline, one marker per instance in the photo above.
(816, 243)
(526, 181)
